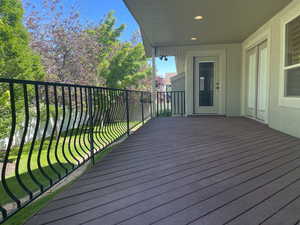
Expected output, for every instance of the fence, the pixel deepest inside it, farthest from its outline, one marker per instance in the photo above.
(55, 128)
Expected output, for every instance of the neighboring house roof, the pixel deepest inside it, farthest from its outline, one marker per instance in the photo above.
(166, 80)
(170, 23)
(168, 77)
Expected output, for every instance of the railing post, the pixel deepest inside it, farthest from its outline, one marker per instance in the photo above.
(142, 101)
(91, 124)
(151, 105)
(157, 113)
(127, 113)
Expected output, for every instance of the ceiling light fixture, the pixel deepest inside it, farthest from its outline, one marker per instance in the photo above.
(193, 39)
(198, 17)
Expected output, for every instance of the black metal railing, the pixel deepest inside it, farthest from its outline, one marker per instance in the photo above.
(48, 130)
(171, 103)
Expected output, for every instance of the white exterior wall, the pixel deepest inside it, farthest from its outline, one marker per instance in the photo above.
(178, 82)
(284, 113)
(232, 79)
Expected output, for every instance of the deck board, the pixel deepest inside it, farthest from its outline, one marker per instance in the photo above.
(206, 170)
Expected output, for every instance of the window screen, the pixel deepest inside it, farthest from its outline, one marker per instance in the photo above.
(293, 42)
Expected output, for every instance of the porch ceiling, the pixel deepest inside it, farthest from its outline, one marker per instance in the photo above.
(171, 23)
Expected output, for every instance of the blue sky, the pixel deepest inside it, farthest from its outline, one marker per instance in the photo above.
(95, 10)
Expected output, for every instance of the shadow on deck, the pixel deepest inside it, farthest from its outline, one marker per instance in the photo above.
(206, 171)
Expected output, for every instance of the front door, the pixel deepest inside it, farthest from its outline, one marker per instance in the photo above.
(207, 84)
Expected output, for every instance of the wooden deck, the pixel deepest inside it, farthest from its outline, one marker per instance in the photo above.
(204, 171)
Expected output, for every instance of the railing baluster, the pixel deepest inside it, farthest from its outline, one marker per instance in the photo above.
(97, 119)
(40, 150)
(114, 114)
(157, 111)
(91, 125)
(142, 102)
(69, 131)
(9, 145)
(109, 127)
(60, 129)
(51, 139)
(26, 124)
(106, 103)
(104, 111)
(66, 132)
(37, 106)
(74, 128)
(59, 132)
(64, 126)
(81, 126)
(170, 103)
(181, 101)
(127, 114)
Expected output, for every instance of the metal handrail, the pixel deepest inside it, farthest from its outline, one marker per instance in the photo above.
(170, 103)
(55, 128)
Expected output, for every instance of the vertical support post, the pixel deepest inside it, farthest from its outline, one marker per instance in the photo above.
(157, 112)
(184, 107)
(151, 110)
(153, 89)
(181, 102)
(91, 120)
(127, 112)
(142, 101)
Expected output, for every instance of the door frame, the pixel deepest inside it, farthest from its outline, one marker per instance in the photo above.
(190, 78)
(209, 110)
(246, 46)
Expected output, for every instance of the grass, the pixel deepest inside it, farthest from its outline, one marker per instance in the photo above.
(70, 150)
(23, 215)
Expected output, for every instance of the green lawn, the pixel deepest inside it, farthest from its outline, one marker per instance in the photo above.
(74, 150)
(30, 210)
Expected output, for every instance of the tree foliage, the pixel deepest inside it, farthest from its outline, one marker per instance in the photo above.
(17, 60)
(127, 67)
(121, 64)
(85, 53)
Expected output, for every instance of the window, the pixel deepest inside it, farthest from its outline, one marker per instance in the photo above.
(292, 58)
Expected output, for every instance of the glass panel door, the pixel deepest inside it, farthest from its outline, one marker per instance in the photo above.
(257, 82)
(252, 82)
(206, 84)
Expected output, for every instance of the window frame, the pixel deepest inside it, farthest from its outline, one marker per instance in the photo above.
(284, 100)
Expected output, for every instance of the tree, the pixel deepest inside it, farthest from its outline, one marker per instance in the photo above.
(77, 52)
(68, 52)
(17, 60)
(127, 67)
(122, 64)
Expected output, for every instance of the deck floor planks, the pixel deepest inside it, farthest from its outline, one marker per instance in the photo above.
(176, 170)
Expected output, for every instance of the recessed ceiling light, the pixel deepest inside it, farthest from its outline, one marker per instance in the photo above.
(193, 38)
(198, 17)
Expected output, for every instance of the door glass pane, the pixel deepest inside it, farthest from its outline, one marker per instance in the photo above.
(252, 79)
(206, 84)
(262, 90)
(262, 78)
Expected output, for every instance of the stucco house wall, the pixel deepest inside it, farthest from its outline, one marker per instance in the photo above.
(178, 82)
(232, 79)
(284, 115)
